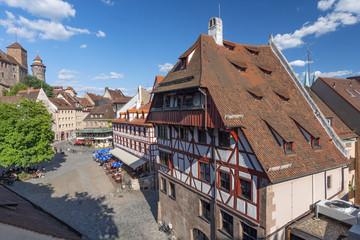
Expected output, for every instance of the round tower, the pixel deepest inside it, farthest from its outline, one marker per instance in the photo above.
(38, 68)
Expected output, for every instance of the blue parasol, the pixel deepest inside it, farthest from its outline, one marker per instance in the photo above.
(116, 164)
(99, 155)
(102, 159)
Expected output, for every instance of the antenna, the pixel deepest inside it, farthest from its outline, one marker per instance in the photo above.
(219, 10)
(308, 60)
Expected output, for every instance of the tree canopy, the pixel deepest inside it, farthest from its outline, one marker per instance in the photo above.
(25, 133)
(36, 83)
(17, 88)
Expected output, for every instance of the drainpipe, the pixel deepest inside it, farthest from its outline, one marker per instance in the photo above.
(213, 229)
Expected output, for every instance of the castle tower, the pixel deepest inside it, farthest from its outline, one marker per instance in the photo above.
(216, 30)
(19, 53)
(38, 68)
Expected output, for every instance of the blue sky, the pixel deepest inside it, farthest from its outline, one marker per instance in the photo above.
(90, 44)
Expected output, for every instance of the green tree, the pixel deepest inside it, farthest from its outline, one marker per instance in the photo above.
(32, 81)
(25, 133)
(17, 88)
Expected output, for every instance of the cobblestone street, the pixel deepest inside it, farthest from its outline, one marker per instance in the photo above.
(76, 190)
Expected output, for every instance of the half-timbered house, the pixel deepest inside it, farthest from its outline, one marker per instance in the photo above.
(135, 143)
(243, 150)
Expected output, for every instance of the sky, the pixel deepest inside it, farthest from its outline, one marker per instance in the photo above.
(93, 44)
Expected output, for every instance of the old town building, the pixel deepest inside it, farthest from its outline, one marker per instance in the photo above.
(13, 66)
(339, 100)
(242, 148)
(65, 117)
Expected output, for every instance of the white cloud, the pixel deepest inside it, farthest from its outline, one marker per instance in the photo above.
(346, 12)
(333, 74)
(66, 74)
(108, 2)
(83, 46)
(298, 63)
(352, 6)
(324, 5)
(100, 34)
(52, 9)
(112, 75)
(30, 29)
(165, 67)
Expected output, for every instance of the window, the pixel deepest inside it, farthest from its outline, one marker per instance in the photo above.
(204, 171)
(165, 159)
(231, 48)
(163, 185)
(240, 69)
(252, 52)
(225, 181)
(256, 97)
(265, 71)
(245, 189)
(285, 99)
(249, 233)
(224, 139)
(172, 190)
(162, 132)
(315, 143)
(183, 63)
(202, 136)
(289, 147)
(227, 223)
(188, 101)
(199, 235)
(328, 182)
(184, 134)
(205, 210)
(167, 101)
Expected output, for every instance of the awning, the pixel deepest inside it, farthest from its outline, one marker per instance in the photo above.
(102, 138)
(127, 158)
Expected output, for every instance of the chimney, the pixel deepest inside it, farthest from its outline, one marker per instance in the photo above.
(216, 30)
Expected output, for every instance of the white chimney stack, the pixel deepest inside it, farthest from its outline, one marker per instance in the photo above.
(216, 30)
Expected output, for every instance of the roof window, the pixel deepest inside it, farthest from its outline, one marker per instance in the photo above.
(182, 64)
(357, 91)
(240, 69)
(252, 51)
(312, 137)
(351, 94)
(231, 48)
(265, 71)
(256, 97)
(285, 99)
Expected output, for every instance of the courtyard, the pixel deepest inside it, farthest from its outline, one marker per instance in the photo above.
(78, 191)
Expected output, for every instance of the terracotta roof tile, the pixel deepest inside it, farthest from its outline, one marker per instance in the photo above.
(16, 45)
(349, 89)
(102, 112)
(337, 124)
(229, 90)
(62, 104)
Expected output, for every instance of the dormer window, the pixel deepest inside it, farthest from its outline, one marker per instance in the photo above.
(289, 147)
(256, 97)
(329, 120)
(231, 48)
(240, 69)
(253, 52)
(183, 63)
(285, 99)
(315, 143)
(265, 71)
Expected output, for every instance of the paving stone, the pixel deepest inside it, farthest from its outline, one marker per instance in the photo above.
(76, 190)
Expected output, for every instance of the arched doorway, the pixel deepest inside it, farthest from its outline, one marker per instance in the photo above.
(62, 136)
(199, 235)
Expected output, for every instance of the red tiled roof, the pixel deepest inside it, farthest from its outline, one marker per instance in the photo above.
(106, 111)
(37, 58)
(122, 100)
(16, 45)
(159, 78)
(84, 102)
(31, 94)
(337, 124)
(94, 96)
(62, 104)
(348, 89)
(114, 94)
(38, 64)
(10, 99)
(229, 88)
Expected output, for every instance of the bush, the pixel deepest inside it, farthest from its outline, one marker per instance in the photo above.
(23, 175)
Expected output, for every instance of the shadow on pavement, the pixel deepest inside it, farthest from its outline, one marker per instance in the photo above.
(88, 215)
(152, 198)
